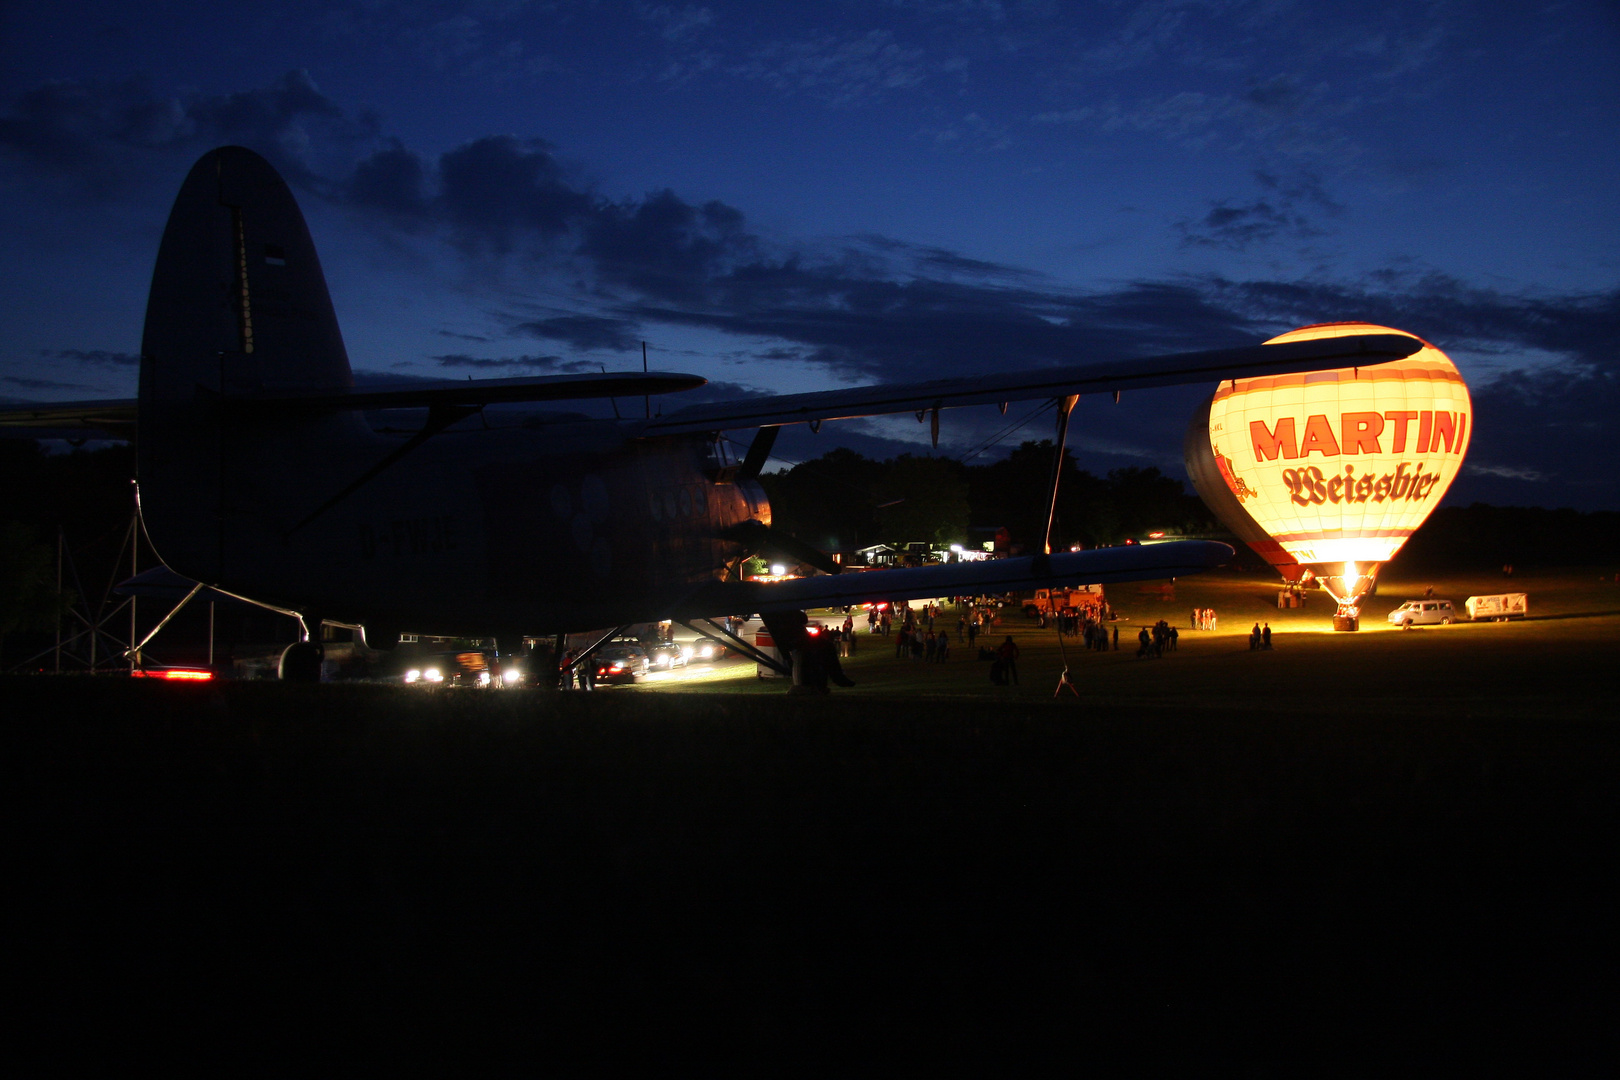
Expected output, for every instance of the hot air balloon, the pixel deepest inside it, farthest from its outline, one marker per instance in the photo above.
(1327, 473)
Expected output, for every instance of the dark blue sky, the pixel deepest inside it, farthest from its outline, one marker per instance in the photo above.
(788, 198)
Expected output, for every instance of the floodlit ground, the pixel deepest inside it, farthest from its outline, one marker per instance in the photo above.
(1554, 663)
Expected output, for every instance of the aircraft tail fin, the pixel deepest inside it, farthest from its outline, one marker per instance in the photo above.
(238, 307)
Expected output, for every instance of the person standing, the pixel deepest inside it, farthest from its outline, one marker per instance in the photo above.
(1116, 637)
(1265, 636)
(1008, 655)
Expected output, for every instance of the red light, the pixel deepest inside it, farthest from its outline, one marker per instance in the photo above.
(174, 675)
(1155, 535)
(812, 630)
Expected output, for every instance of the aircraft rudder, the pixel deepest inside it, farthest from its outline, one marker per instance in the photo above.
(238, 307)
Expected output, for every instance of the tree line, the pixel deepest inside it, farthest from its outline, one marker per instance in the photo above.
(842, 501)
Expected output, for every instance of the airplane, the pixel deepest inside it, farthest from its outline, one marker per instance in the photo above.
(259, 476)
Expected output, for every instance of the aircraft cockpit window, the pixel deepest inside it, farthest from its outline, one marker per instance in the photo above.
(720, 453)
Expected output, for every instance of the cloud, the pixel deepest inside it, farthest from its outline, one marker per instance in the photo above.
(838, 69)
(96, 357)
(1581, 328)
(587, 332)
(551, 364)
(495, 188)
(1511, 472)
(1286, 211)
(867, 308)
(677, 24)
(1545, 438)
(102, 133)
(392, 179)
(41, 384)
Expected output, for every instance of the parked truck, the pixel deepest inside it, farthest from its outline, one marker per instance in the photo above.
(1085, 599)
(1498, 608)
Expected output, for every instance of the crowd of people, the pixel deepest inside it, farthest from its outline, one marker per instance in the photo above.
(1157, 640)
(922, 634)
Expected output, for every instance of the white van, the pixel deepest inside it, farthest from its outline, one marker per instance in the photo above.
(1423, 613)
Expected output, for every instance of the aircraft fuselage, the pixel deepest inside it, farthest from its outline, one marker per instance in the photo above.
(561, 527)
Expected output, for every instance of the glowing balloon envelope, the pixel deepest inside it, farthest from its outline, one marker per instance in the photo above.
(1329, 472)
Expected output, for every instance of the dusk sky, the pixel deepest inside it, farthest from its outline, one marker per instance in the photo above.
(796, 197)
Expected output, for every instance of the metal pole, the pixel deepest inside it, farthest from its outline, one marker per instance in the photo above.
(58, 600)
(134, 569)
(210, 634)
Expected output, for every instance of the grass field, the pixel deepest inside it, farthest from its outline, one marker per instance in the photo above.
(1557, 663)
(1380, 851)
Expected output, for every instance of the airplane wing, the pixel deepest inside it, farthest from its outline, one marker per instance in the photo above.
(116, 419)
(477, 392)
(1100, 566)
(1360, 350)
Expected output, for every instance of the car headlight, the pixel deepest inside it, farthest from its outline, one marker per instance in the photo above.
(483, 678)
(413, 675)
(510, 676)
(433, 674)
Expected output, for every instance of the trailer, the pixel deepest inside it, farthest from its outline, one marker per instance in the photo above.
(1498, 608)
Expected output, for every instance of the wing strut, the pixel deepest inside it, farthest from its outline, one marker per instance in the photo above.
(722, 636)
(1065, 407)
(439, 418)
(759, 452)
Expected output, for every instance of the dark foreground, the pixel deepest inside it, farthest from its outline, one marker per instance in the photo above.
(260, 876)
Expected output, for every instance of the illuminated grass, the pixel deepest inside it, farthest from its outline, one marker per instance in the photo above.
(1555, 663)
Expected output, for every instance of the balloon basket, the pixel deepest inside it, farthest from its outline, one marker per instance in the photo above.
(1346, 622)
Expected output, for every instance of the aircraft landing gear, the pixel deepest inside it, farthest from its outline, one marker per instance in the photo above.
(301, 662)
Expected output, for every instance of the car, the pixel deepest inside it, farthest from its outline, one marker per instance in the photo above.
(1423, 613)
(667, 655)
(621, 663)
(465, 667)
